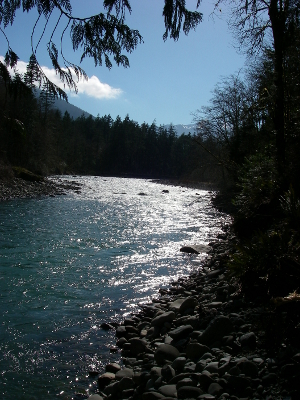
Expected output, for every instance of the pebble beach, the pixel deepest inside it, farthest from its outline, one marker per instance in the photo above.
(201, 339)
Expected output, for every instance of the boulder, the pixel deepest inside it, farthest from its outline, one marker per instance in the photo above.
(195, 350)
(189, 302)
(168, 390)
(137, 345)
(175, 305)
(152, 396)
(105, 379)
(189, 392)
(215, 389)
(165, 352)
(95, 397)
(218, 328)
(248, 340)
(124, 373)
(162, 318)
(181, 332)
(112, 367)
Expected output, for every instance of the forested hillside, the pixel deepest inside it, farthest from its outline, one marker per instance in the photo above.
(38, 137)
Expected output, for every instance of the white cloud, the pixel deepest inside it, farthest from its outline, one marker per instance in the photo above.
(92, 87)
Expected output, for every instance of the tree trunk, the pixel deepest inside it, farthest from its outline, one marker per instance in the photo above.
(278, 19)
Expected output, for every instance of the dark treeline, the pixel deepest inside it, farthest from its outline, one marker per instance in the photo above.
(39, 138)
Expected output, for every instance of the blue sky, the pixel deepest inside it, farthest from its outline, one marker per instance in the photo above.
(166, 81)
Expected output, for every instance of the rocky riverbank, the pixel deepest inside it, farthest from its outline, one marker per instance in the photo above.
(19, 188)
(201, 339)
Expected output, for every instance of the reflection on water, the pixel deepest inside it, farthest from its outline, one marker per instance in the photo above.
(69, 263)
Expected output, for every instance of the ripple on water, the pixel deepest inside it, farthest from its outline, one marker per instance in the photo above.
(69, 263)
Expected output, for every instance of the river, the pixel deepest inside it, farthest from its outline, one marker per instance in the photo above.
(70, 263)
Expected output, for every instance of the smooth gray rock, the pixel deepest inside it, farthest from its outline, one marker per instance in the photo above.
(137, 345)
(248, 340)
(212, 367)
(167, 372)
(165, 352)
(162, 318)
(168, 390)
(239, 383)
(105, 379)
(190, 367)
(215, 389)
(186, 382)
(181, 332)
(113, 367)
(120, 343)
(95, 397)
(196, 350)
(112, 389)
(121, 331)
(126, 383)
(175, 305)
(152, 396)
(205, 380)
(248, 368)
(189, 302)
(189, 392)
(181, 376)
(196, 249)
(155, 373)
(269, 379)
(218, 328)
(179, 363)
(124, 373)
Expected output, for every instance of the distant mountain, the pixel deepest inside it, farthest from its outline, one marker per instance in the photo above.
(183, 129)
(75, 112)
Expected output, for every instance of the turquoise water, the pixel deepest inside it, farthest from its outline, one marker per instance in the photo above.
(69, 263)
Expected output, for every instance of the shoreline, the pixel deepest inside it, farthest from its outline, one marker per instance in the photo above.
(165, 348)
(201, 339)
(18, 188)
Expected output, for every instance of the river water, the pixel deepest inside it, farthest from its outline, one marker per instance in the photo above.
(70, 263)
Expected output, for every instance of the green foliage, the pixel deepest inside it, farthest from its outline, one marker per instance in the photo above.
(103, 36)
(269, 260)
(290, 205)
(260, 254)
(257, 183)
(174, 12)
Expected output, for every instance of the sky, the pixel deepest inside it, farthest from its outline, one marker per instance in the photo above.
(166, 81)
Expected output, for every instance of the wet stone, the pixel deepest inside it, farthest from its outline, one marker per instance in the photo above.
(179, 363)
(186, 382)
(152, 396)
(269, 379)
(165, 352)
(124, 373)
(162, 318)
(167, 372)
(188, 303)
(248, 340)
(195, 350)
(168, 390)
(105, 379)
(219, 327)
(189, 392)
(215, 389)
(113, 367)
(181, 332)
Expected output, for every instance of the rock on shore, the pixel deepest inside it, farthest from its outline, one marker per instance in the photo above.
(20, 188)
(200, 340)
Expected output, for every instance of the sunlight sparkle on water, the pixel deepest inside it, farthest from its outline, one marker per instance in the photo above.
(71, 263)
